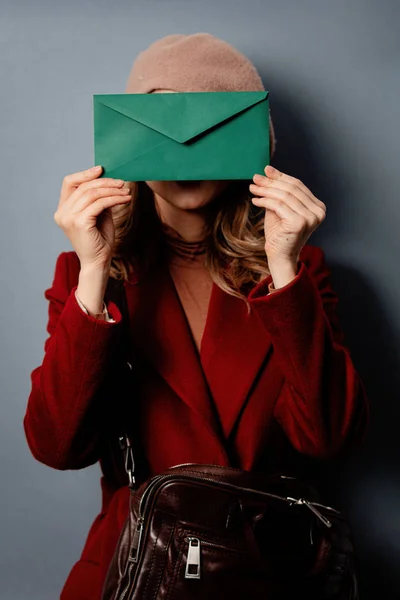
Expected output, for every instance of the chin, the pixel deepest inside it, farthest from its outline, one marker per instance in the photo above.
(188, 195)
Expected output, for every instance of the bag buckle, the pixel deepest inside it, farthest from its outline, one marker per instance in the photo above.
(126, 447)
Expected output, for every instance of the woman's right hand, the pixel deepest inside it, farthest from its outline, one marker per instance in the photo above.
(84, 214)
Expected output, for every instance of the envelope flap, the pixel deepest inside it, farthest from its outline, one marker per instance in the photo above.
(181, 116)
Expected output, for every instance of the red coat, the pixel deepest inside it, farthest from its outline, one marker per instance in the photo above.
(279, 378)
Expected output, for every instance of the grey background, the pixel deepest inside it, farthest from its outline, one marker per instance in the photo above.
(332, 70)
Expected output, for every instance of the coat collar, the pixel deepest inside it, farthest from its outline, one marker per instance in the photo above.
(215, 384)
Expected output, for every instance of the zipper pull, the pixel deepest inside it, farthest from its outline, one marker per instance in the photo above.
(137, 538)
(193, 559)
(316, 512)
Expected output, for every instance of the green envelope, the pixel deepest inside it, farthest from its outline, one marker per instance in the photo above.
(181, 136)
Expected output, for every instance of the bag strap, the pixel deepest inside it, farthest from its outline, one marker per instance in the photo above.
(115, 291)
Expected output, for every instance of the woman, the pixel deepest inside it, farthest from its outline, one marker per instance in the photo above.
(236, 344)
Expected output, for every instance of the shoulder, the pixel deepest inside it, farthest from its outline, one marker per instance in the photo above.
(72, 259)
(314, 259)
(68, 267)
(65, 277)
(310, 254)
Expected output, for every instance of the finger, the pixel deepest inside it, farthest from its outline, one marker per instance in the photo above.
(104, 181)
(276, 175)
(93, 194)
(96, 184)
(75, 179)
(70, 202)
(302, 192)
(96, 208)
(283, 211)
(307, 209)
(76, 192)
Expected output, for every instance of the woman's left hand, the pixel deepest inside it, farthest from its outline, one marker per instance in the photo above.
(292, 213)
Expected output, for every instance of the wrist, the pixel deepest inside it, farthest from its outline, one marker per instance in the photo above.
(91, 288)
(100, 316)
(282, 271)
(95, 271)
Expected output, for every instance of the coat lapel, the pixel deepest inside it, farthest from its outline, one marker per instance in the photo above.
(161, 334)
(234, 348)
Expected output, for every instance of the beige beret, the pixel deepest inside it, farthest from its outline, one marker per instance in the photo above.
(194, 63)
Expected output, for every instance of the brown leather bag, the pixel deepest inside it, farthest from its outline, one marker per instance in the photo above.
(206, 531)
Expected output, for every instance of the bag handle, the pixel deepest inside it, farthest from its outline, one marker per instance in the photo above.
(115, 291)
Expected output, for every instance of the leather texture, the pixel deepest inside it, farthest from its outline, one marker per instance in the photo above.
(253, 542)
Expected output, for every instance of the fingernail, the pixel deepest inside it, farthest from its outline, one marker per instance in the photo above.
(95, 168)
(118, 181)
(259, 177)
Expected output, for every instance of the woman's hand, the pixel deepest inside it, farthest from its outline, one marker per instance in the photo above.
(292, 214)
(84, 214)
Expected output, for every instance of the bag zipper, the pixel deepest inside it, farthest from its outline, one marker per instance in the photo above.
(161, 479)
(136, 542)
(193, 559)
(192, 570)
(128, 584)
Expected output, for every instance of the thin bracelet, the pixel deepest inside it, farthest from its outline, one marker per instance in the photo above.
(101, 314)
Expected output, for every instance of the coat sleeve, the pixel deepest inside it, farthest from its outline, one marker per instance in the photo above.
(63, 416)
(323, 407)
